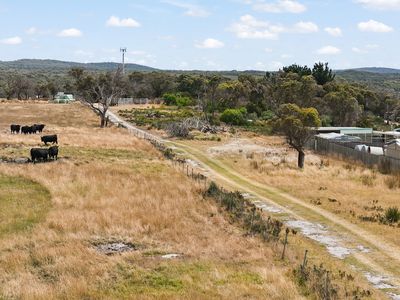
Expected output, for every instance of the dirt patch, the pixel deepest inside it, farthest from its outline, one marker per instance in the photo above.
(172, 256)
(244, 146)
(18, 160)
(274, 154)
(115, 247)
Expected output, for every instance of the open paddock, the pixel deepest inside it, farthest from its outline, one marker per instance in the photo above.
(112, 189)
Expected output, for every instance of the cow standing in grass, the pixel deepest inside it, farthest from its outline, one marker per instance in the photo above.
(53, 152)
(25, 129)
(49, 139)
(38, 154)
(15, 128)
(39, 127)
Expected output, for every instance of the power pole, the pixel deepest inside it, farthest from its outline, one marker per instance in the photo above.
(123, 51)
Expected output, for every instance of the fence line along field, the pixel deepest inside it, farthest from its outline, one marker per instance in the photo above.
(346, 188)
(111, 219)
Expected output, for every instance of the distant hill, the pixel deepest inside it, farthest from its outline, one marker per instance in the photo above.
(52, 66)
(382, 79)
(378, 70)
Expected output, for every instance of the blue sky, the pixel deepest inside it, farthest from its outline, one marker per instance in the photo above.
(204, 34)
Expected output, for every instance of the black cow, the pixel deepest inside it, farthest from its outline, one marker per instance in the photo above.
(28, 129)
(25, 129)
(15, 128)
(49, 139)
(39, 154)
(38, 127)
(53, 152)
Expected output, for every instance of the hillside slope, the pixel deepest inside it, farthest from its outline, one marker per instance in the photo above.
(109, 187)
(47, 65)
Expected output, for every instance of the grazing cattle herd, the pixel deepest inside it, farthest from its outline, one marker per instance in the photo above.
(38, 154)
(33, 129)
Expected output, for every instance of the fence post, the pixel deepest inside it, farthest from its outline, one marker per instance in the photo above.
(327, 285)
(304, 261)
(285, 243)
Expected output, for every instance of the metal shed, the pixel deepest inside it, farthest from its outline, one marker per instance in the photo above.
(392, 149)
(63, 98)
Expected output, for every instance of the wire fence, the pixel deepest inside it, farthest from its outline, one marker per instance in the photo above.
(347, 150)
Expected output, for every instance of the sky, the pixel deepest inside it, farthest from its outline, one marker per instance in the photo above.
(204, 34)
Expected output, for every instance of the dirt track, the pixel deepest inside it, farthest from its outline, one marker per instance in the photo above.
(383, 259)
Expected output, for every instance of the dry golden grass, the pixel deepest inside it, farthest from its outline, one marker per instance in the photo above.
(342, 187)
(110, 186)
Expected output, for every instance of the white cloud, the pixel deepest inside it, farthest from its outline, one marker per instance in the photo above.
(268, 50)
(210, 44)
(358, 50)
(71, 32)
(367, 48)
(380, 4)
(16, 40)
(259, 66)
(328, 50)
(276, 65)
(334, 31)
(114, 21)
(182, 65)
(250, 28)
(305, 27)
(141, 57)
(372, 46)
(32, 30)
(374, 26)
(280, 6)
(191, 10)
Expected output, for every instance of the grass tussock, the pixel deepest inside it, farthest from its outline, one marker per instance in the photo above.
(393, 181)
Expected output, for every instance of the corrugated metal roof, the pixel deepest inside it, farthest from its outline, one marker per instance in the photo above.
(347, 130)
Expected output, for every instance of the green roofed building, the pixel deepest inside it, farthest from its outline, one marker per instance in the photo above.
(63, 98)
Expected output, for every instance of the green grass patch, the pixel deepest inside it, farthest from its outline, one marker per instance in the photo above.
(157, 118)
(23, 203)
(180, 279)
(103, 154)
(245, 277)
(132, 280)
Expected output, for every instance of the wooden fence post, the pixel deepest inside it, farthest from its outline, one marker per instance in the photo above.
(285, 243)
(327, 285)
(304, 261)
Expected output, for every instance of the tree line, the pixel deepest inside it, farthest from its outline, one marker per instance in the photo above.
(339, 103)
(295, 98)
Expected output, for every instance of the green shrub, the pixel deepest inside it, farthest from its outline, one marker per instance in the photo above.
(234, 116)
(176, 99)
(392, 215)
(267, 115)
(183, 101)
(169, 99)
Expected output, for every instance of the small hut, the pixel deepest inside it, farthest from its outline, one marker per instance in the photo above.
(63, 98)
(393, 149)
